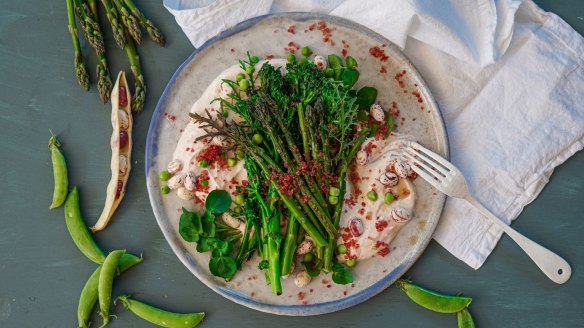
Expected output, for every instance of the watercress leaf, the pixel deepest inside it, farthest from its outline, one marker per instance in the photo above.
(313, 268)
(208, 227)
(341, 275)
(218, 201)
(366, 97)
(190, 226)
(349, 78)
(203, 245)
(335, 61)
(390, 123)
(222, 266)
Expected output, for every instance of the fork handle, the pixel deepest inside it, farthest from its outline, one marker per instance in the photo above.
(555, 267)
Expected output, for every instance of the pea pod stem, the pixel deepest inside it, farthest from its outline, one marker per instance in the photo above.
(78, 230)
(160, 317)
(432, 300)
(89, 293)
(59, 172)
(106, 280)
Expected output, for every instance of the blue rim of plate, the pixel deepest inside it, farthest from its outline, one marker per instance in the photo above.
(292, 310)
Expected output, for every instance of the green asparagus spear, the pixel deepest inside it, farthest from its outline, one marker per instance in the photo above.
(139, 86)
(130, 22)
(89, 26)
(80, 70)
(104, 80)
(116, 24)
(152, 30)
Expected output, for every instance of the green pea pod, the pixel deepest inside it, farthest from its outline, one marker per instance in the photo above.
(431, 300)
(59, 173)
(78, 230)
(106, 281)
(160, 317)
(465, 319)
(89, 295)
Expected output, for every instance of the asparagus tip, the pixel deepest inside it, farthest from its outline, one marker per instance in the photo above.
(81, 72)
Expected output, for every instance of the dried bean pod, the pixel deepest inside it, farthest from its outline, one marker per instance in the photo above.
(113, 195)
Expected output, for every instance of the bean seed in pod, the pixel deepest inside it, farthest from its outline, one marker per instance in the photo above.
(164, 175)
(204, 183)
(164, 190)
(239, 199)
(123, 97)
(249, 70)
(334, 191)
(119, 188)
(123, 139)
(239, 77)
(203, 163)
(388, 198)
(290, 58)
(351, 263)
(254, 59)
(231, 162)
(351, 62)
(341, 249)
(257, 138)
(372, 195)
(244, 84)
(432, 300)
(305, 51)
(240, 154)
(333, 200)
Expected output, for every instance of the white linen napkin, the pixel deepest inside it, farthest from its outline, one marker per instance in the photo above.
(508, 77)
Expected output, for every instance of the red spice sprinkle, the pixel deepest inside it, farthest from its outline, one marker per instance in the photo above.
(211, 153)
(324, 281)
(377, 52)
(345, 293)
(344, 52)
(304, 302)
(291, 29)
(382, 70)
(300, 296)
(252, 294)
(353, 285)
(381, 225)
(232, 50)
(328, 286)
(269, 57)
(311, 27)
(311, 290)
(383, 252)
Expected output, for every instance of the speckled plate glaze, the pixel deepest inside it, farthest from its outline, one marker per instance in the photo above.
(400, 86)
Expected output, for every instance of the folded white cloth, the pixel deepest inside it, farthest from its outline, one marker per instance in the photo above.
(508, 77)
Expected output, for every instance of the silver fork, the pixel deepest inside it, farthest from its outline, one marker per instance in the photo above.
(445, 177)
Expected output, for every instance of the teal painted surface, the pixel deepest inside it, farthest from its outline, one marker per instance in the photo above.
(42, 272)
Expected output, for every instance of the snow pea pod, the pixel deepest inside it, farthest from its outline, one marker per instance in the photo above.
(465, 319)
(89, 295)
(106, 281)
(432, 300)
(160, 317)
(78, 230)
(59, 172)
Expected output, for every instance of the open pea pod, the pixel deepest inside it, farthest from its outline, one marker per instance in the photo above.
(121, 144)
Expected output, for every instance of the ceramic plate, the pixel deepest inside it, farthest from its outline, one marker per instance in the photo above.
(382, 66)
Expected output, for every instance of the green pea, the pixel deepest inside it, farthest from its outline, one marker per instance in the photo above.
(351, 263)
(351, 62)
(305, 51)
(239, 153)
(372, 195)
(388, 198)
(290, 58)
(341, 249)
(329, 72)
(432, 300)
(239, 199)
(204, 183)
(105, 284)
(203, 163)
(249, 70)
(78, 230)
(61, 186)
(238, 210)
(164, 175)
(257, 138)
(239, 77)
(334, 191)
(307, 258)
(254, 59)
(465, 319)
(333, 200)
(244, 84)
(160, 317)
(231, 162)
(89, 293)
(164, 190)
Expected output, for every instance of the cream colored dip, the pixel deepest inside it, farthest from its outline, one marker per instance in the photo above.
(370, 213)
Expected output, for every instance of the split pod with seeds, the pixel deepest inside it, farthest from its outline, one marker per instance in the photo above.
(121, 144)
